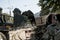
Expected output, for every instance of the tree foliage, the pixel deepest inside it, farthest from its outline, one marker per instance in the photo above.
(0, 9)
(49, 6)
(17, 11)
(30, 16)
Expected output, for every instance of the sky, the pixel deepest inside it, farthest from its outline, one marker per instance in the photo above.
(23, 5)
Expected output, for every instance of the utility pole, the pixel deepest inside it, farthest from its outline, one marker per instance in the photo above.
(10, 8)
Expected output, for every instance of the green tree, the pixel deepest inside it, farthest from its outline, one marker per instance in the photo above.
(30, 16)
(0, 10)
(49, 6)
